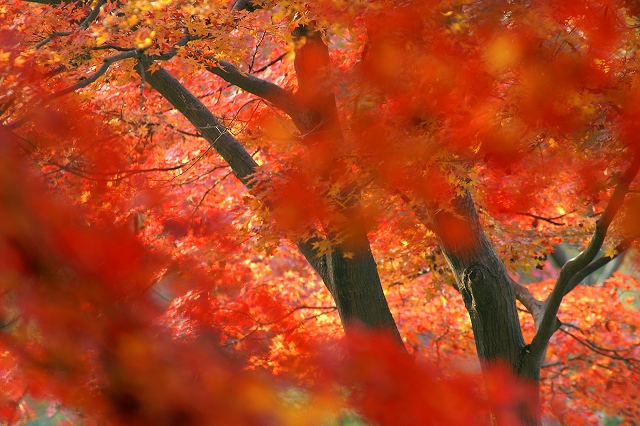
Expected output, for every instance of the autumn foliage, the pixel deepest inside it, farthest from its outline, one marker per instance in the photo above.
(142, 283)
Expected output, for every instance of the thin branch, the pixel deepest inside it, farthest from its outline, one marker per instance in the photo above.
(112, 47)
(606, 352)
(106, 63)
(270, 64)
(551, 220)
(183, 132)
(9, 323)
(50, 2)
(173, 51)
(550, 323)
(52, 36)
(211, 188)
(6, 105)
(214, 185)
(122, 174)
(83, 25)
(299, 308)
(255, 52)
(142, 79)
(259, 324)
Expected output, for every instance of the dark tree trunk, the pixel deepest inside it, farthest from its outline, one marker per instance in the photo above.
(353, 281)
(489, 297)
(355, 284)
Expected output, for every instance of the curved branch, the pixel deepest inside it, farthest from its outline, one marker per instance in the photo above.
(550, 323)
(599, 263)
(92, 15)
(270, 92)
(106, 63)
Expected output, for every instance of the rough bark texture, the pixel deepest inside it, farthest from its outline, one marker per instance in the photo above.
(483, 282)
(488, 294)
(355, 284)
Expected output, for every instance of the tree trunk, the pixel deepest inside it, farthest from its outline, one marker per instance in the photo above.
(489, 297)
(351, 275)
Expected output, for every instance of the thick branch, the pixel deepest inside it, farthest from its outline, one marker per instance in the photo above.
(240, 161)
(92, 15)
(245, 5)
(270, 92)
(550, 323)
(353, 281)
(528, 300)
(486, 288)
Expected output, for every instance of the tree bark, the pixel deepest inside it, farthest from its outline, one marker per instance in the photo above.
(351, 275)
(489, 297)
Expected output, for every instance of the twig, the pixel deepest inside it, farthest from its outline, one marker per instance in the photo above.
(551, 220)
(255, 52)
(606, 352)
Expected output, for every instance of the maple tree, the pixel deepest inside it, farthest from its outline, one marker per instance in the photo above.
(466, 136)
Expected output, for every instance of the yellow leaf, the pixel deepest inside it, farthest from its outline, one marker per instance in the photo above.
(154, 67)
(610, 252)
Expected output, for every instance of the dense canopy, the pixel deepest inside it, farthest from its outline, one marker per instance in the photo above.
(287, 212)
